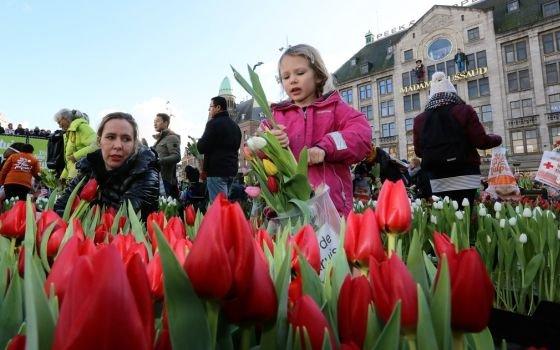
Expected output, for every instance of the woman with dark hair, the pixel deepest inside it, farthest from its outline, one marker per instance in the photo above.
(18, 171)
(124, 169)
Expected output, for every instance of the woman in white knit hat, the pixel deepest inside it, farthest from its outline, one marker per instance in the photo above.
(446, 137)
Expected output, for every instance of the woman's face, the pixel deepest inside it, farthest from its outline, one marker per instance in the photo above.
(117, 143)
(63, 123)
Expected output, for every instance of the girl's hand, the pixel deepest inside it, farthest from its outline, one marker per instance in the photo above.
(281, 135)
(315, 155)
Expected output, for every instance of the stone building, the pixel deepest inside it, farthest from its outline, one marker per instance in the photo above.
(512, 77)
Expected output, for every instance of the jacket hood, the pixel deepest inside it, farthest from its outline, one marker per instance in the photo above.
(164, 133)
(76, 123)
(328, 98)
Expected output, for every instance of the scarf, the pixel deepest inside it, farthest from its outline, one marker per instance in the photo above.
(443, 99)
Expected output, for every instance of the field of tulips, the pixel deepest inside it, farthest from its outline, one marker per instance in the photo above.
(404, 276)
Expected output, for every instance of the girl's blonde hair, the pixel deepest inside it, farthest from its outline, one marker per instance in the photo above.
(315, 62)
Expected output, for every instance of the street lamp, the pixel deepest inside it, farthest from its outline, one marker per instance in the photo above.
(257, 64)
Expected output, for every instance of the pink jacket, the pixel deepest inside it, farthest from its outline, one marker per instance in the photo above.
(337, 128)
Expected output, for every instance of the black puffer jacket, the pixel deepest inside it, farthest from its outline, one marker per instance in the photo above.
(136, 180)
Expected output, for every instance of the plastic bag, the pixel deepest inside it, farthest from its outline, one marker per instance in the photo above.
(501, 182)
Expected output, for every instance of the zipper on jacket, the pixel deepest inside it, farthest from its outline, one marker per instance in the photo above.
(343, 193)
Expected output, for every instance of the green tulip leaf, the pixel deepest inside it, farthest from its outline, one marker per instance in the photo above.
(39, 319)
(73, 194)
(340, 267)
(430, 268)
(116, 220)
(425, 334)
(188, 322)
(532, 269)
(11, 309)
(298, 187)
(302, 166)
(415, 262)
(441, 307)
(44, 244)
(390, 336)
(482, 340)
(138, 229)
(52, 199)
(311, 282)
(259, 93)
(373, 328)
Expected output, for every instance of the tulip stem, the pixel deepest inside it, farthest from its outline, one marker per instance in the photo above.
(213, 311)
(458, 341)
(411, 340)
(245, 337)
(392, 243)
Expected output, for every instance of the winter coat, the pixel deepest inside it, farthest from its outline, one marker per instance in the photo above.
(79, 140)
(137, 181)
(220, 145)
(468, 176)
(341, 131)
(168, 149)
(19, 169)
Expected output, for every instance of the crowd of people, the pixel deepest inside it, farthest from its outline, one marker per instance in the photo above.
(446, 136)
(20, 130)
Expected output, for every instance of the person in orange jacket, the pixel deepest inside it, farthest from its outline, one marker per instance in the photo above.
(18, 171)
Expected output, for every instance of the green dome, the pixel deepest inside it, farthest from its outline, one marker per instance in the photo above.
(225, 87)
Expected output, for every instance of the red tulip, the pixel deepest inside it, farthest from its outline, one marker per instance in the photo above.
(89, 191)
(263, 238)
(21, 261)
(472, 291)
(103, 230)
(259, 303)
(307, 315)
(154, 269)
(391, 282)
(295, 290)
(174, 230)
(64, 263)
(12, 222)
(107, 305)
(190, 215)
(353, 305)
(75, 203)
(45, 220)
(393, 208)
(272, 184)
(362, 238)
(305, 242)
(222, 251)
(128, 247)
(155, 218)
(17, 342)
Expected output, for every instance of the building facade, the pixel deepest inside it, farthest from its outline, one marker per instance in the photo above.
(511, 79)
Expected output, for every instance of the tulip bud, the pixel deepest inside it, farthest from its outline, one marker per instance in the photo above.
(253, 191)
(89, 191)
(512, 221)
(502, 223)
(433, 219)
(247, 153)
(497, 206)
(446, 199)
(255, 143)
(190, 215)
(455, 205)
(393, 208)
(465, 202)
(522, 238)
(482, 211)
(435, 199)
(418, 202)
(272, 184)
(558, 234)
(527, 213)
(488, 239)
(459, 215)
(269, 167)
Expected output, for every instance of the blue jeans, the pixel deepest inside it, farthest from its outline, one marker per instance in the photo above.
(461, 66)
(217, 184)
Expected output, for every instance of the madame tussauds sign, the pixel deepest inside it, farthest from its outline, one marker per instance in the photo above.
(455, 77)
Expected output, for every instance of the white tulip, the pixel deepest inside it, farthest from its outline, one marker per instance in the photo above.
(527, 213)
(537, 210)
(518, 209)
(455, 205)
(502, 223)
(522, 238)
(512, 221)
(482, 211)
(255, 143)
(497, 207)
(459, 215)
(418, 202)
(435, 198)
(374, 204)
(465, 202)
(488, 239)
(433, 219)
(446, 199)
(558, 234)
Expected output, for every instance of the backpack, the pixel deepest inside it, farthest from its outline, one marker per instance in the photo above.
(444, 144)
(55, 151)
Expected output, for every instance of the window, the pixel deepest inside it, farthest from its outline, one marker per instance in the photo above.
(364, 68)
(365, 92)
(408, 55)
(481, 59)
(367, 111)
(551, 72)
(485, 113)
(388, 129)
(554, 101)
(386, 86)
(473, 34)
(450, 67)
(554, 134)
(411, 102)
(548, 43)
(551, 8)
(439, 49)
(478, 88)
(347, 95)
(409, 124)
(515, 52)
(431, 71)
(512, 5)
(522, 108)
(518, 81)
(406, 81)
(387, 108)
(526, 141)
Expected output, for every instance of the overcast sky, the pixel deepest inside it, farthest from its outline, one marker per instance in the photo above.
(147, 56)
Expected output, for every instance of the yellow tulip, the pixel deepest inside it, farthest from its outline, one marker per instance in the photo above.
(269, 167)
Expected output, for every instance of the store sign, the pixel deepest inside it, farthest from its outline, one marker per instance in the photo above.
(467, 2)
(455, 77)
(394, 30)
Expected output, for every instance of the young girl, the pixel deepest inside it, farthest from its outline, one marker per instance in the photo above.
(335, 134)
(19, 170)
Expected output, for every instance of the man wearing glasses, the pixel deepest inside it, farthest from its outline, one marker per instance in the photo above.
(220, 145)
